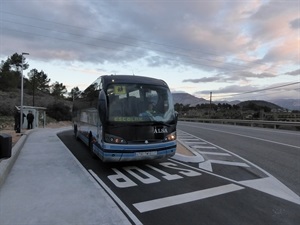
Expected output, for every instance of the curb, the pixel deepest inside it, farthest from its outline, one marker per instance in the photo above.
(7, 164)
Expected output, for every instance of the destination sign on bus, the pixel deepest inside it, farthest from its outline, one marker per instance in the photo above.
(127, 118)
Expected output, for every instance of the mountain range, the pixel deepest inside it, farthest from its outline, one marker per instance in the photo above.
(188, 99)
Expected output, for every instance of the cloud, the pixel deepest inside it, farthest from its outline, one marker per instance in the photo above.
(230, 77)
(229, 89)
(202, 80)
(231, 41)
(248, 74)
(294, 72)
(279, 90)
(295, 24)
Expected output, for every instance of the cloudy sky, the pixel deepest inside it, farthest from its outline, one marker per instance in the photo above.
(236, 49)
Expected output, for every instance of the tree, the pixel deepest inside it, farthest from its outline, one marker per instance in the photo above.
(9, 80)
(58, 90)
(39, 81)
(75, 93)
(59, 111)
(15, 61)
(10, 71)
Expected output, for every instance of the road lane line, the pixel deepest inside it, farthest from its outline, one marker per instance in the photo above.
(195, 142)
(115, 197)
(185, 198)
(272, 186)
(207, 164)
(203, 147)
(247, 136)
(215, 153)
(277, 189)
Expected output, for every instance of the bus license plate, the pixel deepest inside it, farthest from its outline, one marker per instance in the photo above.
(146, 153)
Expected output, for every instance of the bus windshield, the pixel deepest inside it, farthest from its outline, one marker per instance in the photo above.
(139, 103)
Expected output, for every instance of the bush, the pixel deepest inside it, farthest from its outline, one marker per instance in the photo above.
(59, 111)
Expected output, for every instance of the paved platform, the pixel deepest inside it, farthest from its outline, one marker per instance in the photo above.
(44, 184)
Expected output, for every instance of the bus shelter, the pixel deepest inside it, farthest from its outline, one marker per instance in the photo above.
(39, 114)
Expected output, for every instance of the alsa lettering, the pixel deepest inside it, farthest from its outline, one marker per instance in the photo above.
(160, 130)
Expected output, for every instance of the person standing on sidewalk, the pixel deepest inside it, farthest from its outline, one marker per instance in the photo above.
(17, 120)
(30, 118)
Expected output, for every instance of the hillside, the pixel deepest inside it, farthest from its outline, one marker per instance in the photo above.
(11, 99)
(185, 99)
(188, 99)
(260, 103)
(292, 104)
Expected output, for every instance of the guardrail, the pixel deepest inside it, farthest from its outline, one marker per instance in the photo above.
(252, 123)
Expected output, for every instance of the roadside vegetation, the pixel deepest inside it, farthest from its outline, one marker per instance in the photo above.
(38, 91)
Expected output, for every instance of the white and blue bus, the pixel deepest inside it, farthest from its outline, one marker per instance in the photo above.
(124, 117)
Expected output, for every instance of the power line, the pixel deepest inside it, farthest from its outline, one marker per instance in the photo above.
(259, 90)
(148, 42)
(168, 52)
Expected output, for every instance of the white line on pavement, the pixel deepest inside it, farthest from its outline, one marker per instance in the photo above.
(115, 197)
(185, 198)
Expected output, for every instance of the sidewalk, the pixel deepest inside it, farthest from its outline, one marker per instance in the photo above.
(48, 186)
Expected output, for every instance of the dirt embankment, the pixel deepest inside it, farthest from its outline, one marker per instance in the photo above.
(16, 136)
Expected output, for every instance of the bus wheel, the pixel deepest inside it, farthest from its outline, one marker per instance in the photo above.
(76, 132)
(91, 147)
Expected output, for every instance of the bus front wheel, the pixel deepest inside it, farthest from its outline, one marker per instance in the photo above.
(76, 132)
(91, 145)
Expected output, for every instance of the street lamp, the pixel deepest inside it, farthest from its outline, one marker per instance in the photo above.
(21, 110)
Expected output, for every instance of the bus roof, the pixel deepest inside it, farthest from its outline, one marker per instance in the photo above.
(127, 79)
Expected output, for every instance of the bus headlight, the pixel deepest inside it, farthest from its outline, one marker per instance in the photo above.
(114, 139)
(171, 137)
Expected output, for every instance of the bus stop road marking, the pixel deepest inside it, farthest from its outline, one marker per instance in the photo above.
(207, 164)
(214, 153)
(116, 198)
(185, 198)
(272, 186)
(203, 147)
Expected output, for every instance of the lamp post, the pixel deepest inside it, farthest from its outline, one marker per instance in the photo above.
(21, 110)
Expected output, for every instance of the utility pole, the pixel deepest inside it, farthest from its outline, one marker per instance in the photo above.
(21, 110)
(210, 106)
(33, 89)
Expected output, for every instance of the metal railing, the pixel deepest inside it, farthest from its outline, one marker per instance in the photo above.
(252, 123)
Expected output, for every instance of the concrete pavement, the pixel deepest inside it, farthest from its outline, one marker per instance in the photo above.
(45, 184)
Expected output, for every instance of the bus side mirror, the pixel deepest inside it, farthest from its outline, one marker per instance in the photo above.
(102, 106)
(176, 117)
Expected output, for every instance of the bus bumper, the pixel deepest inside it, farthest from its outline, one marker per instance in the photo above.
(119, 153)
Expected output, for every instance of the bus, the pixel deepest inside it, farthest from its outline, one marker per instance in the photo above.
(126, 118)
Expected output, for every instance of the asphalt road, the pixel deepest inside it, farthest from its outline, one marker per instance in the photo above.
(276, 151)
(238, 175)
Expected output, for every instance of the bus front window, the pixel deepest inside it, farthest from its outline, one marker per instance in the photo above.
(139, 103)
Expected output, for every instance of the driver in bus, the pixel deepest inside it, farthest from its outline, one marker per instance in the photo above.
(149, 112)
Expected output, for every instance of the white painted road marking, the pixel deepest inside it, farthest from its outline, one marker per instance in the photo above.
(215, 153)
(247, 136)
(195, 142)
(185, 198)
(268, 184)
(272, 186)
(207, 164)
(203, 147)
(115, 198)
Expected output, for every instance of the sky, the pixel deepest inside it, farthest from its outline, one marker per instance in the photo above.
(234, 49)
